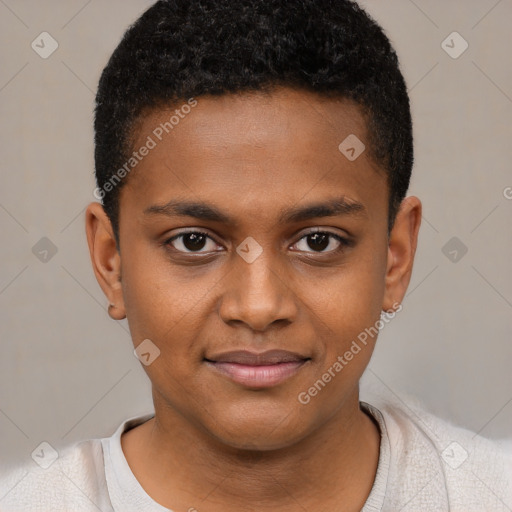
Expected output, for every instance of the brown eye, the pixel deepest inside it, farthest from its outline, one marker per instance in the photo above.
(321, 242)
(318, 241)
(192, 241)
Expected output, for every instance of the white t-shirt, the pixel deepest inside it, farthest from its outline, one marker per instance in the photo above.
(425, 464)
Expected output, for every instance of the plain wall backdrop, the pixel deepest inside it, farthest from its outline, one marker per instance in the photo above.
(68, 372)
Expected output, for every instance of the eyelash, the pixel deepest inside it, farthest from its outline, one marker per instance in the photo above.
(343, 242)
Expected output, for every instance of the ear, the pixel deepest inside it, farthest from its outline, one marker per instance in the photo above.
(403, 240)
(105, 258)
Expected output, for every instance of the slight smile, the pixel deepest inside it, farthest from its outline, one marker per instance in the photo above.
(257, 370)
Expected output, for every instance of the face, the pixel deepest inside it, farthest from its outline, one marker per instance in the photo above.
(253, 253)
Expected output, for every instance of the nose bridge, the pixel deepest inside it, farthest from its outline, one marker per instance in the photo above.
(261, 276)
(257, 294)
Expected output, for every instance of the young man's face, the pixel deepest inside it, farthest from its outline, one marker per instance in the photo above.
(256, 174)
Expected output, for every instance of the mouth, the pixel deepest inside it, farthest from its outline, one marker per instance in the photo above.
(257, 370)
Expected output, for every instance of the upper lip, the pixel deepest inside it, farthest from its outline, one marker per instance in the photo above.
(256, 359)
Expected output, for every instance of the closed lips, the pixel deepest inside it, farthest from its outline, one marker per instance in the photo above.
(244, 357)
(257, 370)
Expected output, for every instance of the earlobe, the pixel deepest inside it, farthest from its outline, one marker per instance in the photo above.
(105, 258)
(115, 312)
(402, 245)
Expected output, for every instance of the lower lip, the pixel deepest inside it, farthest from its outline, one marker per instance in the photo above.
(258, 376)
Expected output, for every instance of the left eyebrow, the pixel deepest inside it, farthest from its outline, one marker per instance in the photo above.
(333, 208)
(203, 211)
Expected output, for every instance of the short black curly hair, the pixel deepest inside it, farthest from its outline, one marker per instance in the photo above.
(180, 49)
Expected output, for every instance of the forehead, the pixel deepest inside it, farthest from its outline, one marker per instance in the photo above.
(254, 151)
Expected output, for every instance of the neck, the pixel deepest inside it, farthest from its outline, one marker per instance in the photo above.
(182, 467)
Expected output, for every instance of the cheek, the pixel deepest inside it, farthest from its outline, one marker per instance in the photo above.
(349, 302)
(164, 307)
(347, 310)
(154, 298)
(164, 302)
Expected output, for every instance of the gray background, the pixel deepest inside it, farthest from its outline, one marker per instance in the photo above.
(68, 372)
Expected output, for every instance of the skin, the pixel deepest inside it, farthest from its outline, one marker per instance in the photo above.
(214, 444)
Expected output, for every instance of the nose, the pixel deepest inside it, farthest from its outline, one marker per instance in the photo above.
(258, 294)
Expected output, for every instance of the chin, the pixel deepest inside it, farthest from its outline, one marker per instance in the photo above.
(260, 430)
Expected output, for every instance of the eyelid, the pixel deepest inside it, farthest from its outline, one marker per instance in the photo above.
(184, 231)
(329, 231)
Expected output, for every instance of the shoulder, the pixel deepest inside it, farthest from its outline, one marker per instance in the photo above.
(432, 457)
(73, 481)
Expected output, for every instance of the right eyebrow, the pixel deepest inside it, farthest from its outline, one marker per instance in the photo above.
(201, 211)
